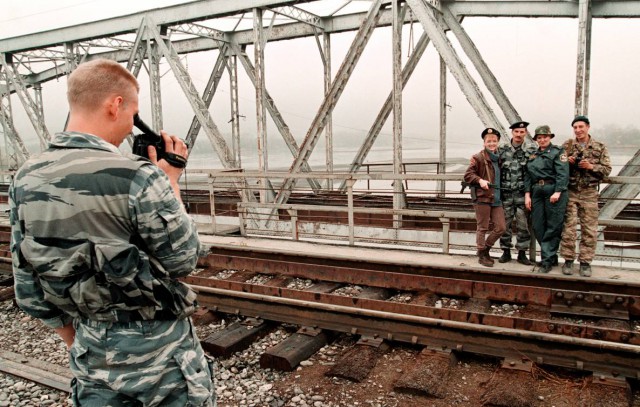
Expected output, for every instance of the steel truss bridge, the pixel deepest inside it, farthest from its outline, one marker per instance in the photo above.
(142, 40)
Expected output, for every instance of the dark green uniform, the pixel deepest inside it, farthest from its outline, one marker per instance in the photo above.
(547, 172)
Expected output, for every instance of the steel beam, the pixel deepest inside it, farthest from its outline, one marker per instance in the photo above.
(468, 85)
(21, 154)
(232, 67)
(298, 14)
(208, 9)
(208, 94)
(329, 102)
(200, 31)
(138, 51)
(337, 24)
(155, 89)
(261, 111)
(399, 201)
(481, 66)
(277, 118)
(385, 111)
(618, 196)
(442, 156)
(30, 107)
(583, 65)
(198, 106)
(328, 131)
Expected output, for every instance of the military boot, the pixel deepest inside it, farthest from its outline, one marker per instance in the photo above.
(506, 256)
(522, 258)
(484, 258)
(585, 269)
(567, 267)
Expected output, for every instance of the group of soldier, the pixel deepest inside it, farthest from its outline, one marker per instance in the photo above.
(548, 187)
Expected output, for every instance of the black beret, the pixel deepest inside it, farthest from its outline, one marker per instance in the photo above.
(490, 130)
(519, 125)
(580, 119)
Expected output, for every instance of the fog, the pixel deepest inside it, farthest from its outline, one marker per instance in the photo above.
(534, 59)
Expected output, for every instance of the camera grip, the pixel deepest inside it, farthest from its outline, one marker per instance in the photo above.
(175, 160)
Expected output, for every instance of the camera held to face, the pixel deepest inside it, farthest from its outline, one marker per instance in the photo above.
(151, 138)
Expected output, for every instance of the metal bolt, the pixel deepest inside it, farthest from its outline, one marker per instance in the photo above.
(607, 306)
(619, 300)
(597, 297)
(559, 294)
(624, 338)
(576, 330)
(551, 327)
(580, 296)
(602, 378)
(512, 363)
(569, 303)
(597, 334)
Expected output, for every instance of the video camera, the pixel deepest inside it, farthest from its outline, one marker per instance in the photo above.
(151, 138)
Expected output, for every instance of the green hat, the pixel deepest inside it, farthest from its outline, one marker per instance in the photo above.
(490, 130)
(544, 129)
(580, 119)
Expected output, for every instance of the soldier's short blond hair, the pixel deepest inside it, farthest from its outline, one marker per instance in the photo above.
(92, 82)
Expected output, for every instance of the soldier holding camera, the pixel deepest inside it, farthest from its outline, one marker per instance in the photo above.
(589, 163)
(99, 240)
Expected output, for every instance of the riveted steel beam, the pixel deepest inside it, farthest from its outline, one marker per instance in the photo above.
(200, 31)
(481, 66)
(277, 118)
(198, 106)
(298, 14)
(331, 99)
(385, 111)
(583, 65)
(20, 152)
(208, 94)
(468, 85)
(30, 107)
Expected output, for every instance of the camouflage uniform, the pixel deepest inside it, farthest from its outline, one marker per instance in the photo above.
(583, 199)
(99, 238)
(513, 161)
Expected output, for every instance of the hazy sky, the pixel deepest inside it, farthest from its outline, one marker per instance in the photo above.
(534, 60)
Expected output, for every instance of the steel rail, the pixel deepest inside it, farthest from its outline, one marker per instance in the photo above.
(542, 348)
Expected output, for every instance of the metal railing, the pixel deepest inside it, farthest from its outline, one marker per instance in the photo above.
(364, 215)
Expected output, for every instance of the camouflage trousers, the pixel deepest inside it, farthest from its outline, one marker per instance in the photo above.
(143, 363)
(513, 205)
(583, 207)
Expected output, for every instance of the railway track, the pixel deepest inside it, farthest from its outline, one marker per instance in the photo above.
(445, 307)
(584, 324)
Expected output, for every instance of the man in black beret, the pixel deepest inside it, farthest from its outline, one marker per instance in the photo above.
(513, 158)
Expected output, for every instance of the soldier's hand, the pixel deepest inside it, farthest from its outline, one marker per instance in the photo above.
(527, 201)
(555, 197)
(484, 184)
(585, 165)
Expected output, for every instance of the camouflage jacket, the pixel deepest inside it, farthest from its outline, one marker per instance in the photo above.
(98, 234)
(597, 154)
(512, 168)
